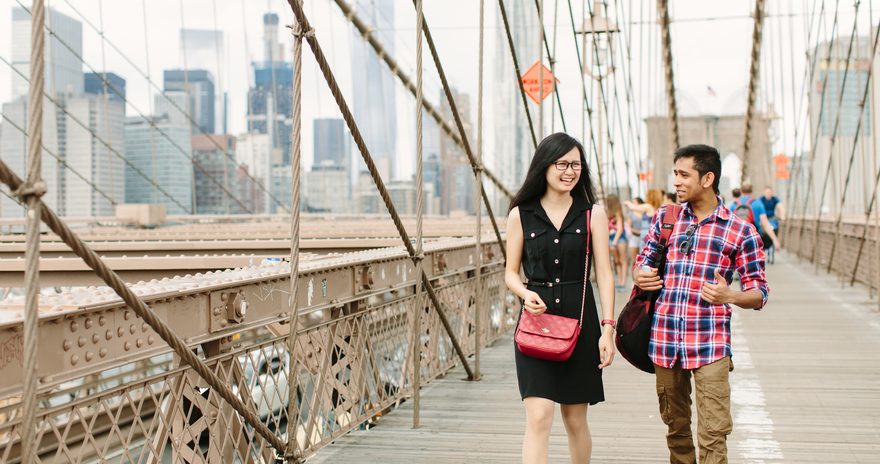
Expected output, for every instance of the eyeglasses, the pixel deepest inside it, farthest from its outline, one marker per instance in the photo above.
(689, 241)
(563, 165)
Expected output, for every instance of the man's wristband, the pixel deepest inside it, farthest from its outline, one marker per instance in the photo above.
(610, 322)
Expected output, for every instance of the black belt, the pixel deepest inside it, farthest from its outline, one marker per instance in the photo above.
(552, 284)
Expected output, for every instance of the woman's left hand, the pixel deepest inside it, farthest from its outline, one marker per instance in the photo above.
(606, 349)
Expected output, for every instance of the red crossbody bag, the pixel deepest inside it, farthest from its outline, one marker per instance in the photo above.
(548, 336)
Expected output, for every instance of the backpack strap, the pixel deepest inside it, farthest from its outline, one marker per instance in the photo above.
(670, 217)
(751, 200)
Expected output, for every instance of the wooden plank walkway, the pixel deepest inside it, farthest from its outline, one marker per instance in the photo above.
(805, 389)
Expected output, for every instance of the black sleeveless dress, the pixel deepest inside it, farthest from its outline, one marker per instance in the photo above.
(557, 257)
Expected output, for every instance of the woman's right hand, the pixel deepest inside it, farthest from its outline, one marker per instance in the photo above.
(534, 304)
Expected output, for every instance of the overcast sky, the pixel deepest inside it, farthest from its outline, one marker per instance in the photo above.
(711, 45)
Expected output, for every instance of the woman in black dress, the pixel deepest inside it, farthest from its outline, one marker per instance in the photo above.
(547, 234)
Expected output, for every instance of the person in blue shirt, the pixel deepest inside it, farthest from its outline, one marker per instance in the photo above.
(775, 211)
(762, 223)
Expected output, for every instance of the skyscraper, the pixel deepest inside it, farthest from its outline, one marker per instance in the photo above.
(270, 108)
(254, 151)
(63, 73)
(198, 84)
(94, 85)
(13, 151)
(331, 141)
(456, 176)
(204, 49)
(90, 157)
(215, 167)
(163, 157)
(63, 77)
(373, 90)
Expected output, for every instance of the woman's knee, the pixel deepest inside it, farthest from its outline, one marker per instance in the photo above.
(574, 416)
(539, 413)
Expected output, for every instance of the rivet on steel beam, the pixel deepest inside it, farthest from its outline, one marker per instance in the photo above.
(139, 343)
(89, 356)
(67, 345)
(73, 326)
(144, 327)
(126, 315)
(81, 342)
(108, 335)
(95, 339)
(103, 352)
(132, 329)
(101, 321)
(127, 346)
(74, 359)
(150, 340)
(88, 323)
(120, 332)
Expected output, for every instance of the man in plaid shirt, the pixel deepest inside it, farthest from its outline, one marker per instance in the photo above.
(690, 335)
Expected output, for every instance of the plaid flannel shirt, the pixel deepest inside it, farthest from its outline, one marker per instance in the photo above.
(686, 328)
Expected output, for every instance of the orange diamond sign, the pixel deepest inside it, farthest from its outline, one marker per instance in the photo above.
(531, 82)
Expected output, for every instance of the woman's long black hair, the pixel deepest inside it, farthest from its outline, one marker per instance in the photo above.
(550, 149)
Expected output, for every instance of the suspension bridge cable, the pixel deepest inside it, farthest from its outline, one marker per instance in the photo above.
(447, 90)
(298, 32)
(150, 103)
(31, 192)
(420, 198)
(802, 113)
(863, 106)
(837, 126)
(186, 92)
(633, 112)
(517, 72)
(602, 97)
(625, 78)
(451, 132)
(586, 102)
(333, 86)
(793, 194)
(819, 119)
(663, 12)
(173, 104)
(553, 71)
(552, 60)
(98, 137)
(105, 101)
(754, 75)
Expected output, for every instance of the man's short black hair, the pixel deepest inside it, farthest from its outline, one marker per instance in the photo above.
(706, 160)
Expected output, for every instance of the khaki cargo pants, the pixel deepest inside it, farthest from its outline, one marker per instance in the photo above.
(713, 411)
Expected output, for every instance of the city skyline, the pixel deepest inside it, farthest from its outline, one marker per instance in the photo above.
(270, 82)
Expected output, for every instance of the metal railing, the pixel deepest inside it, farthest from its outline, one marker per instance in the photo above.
(352, 359)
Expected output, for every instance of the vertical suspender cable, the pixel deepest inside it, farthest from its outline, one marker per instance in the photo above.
(478, 210)
(293, 323)
(30, 193)
(793, 194)
(863, 103)
(816, 132)
(419, 254)
(829, 171)
(540, 5)
(754, 70)
(666, 41)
